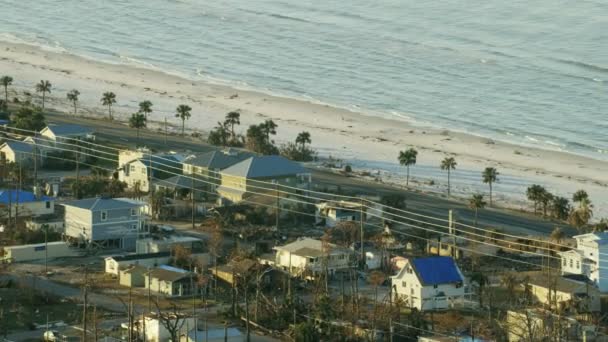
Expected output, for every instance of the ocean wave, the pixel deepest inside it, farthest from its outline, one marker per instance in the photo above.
(278, 16)
(588, 66)
(37, 41)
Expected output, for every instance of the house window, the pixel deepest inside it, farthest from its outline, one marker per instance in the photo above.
(571, 263)
(132, 168)
(565, 262)
(404, 284)
(104, 215)
(134, 226)
(578, 264)
(133, 212)
(143, 170)
(48, 204)
(434, 286)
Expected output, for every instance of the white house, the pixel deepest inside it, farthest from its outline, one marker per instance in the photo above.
(107, 222)
(139, 172)
(590, 258)
(306, 257)
(333, 212)
(25, 204)
(170, 281)
(155, 330)
(113, 264)
(430, 283)
(21, 152)
(66, 132)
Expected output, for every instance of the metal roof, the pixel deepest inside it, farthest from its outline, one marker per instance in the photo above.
(265, 167)
(168, 273)
(436, 270)
(20, 196)
(218, 160)
(68, 129)
(130, 257)
(308, 247)
(181, 182)
(19, 146)
(100, 203)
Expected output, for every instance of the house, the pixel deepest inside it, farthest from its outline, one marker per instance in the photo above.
(66, 133)
(306, 257)
(183, 187)
(21, 153)
(331, 213)
(170, 281)
(19, 203)
(590, 258)
(208, 165)
(132, 276)
(166, 244)
(37, 251)
(138, 173)
(458, 247)
(107, 222)
(564, 292)
(233, 270)
(155, 329)
(374, 257)
(430, 283)
(113, 264)
(213, 335)
(256, 175)
(537, 325)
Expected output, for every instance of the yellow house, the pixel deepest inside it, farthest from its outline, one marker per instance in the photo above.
(261, 175)
(564, 292)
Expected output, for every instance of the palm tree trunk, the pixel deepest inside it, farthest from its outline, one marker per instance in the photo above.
(490, 193)
(6, 95)
(476, 216)
(43, 93)
(183, 127)
(448, 182)
(110, 111)
(74, 107)
(407, 180)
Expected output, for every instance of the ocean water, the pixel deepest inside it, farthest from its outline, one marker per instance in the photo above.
(528, 72)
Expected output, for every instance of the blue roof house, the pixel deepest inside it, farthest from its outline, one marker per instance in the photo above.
(24, 204)
(430, 283)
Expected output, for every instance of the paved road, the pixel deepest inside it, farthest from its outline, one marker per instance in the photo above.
(507, 220)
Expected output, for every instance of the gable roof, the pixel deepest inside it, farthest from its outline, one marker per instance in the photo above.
(308, 247)
(181, 182)
(168, 273)
(168, 162)
(218, 160)
(132, 257)
(68, 129)
(14, 196)
(559, 283)
(436, 270)
(19, 146)
(265, 167)
(101, 203)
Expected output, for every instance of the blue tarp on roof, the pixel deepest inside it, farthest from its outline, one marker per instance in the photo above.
(12, 196)
(437, 270)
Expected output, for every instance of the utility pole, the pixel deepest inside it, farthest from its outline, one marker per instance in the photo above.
(192, 200)
(35, 163)
(166, 130)
(46, 249)
(361, 226)
(84, 307)
(278, 213)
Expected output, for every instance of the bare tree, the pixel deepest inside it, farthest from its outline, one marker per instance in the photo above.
(171, 319)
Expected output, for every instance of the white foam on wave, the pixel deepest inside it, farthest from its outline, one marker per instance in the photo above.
(39, 42)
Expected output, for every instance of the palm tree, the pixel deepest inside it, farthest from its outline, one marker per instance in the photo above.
(232, 119)
(578, 196)
(448, 163)
(145, 107)
(534, 194)
(108, 99)
(582, 215)
(43, 87)
(269, 127)
(490, 176)
(183, 112)
(476, 202)
(560, 207)
(407, 158)
(6, 81)
(545, 199)
(137, 121)
(73, 97)
(303, 138)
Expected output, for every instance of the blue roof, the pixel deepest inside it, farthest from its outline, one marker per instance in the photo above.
(436, 270)
(265, 167)
(13, 196)
(69, 129)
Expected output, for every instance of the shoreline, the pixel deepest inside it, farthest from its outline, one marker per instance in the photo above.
(367, 141)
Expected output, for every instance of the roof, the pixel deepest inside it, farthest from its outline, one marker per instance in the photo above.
(164, 162)
(135, 269)
(213, 334)
(101, 203)
(218, 160)
(169, 273)
(131, 257)
(180, 182)
(560, 284)
(19, 146)
(20, 196)
(598, 236)
(436, 270)
(265, 167)
(306, 247)
(68, 129)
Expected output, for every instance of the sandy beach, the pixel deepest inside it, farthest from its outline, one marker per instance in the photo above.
(366, 140)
